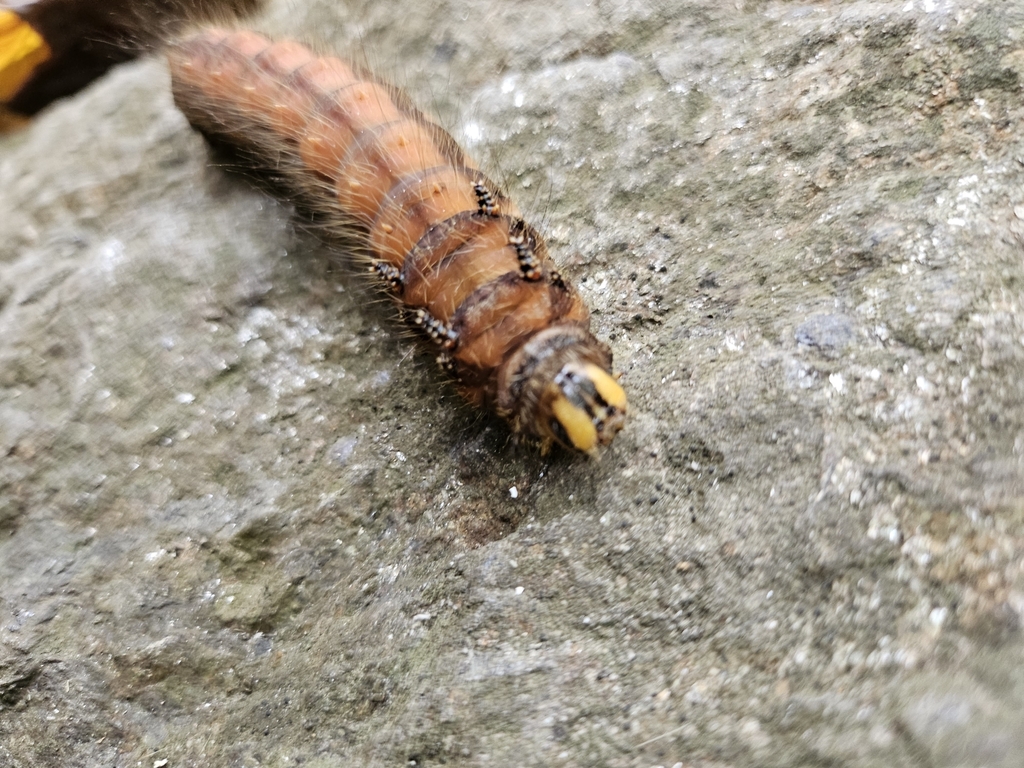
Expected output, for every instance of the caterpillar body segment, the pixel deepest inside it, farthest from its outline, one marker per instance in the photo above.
(470, 274)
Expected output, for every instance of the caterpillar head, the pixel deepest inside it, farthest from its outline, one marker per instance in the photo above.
(561, 390)
(587, 407)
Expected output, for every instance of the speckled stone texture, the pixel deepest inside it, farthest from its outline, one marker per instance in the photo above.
(243, 522)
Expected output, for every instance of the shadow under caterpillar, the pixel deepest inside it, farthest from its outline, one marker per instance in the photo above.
(452, 250)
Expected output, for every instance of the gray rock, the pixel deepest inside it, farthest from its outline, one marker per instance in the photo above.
(244, 523)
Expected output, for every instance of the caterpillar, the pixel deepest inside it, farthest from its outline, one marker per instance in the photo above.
(453, 251)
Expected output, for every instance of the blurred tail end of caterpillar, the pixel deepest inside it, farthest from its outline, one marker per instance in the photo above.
(22, 50)
(53, 48)
(452, 250)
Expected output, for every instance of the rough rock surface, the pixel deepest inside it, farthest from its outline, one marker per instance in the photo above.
(244, 523)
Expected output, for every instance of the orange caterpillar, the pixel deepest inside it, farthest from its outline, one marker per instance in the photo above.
(467, 270)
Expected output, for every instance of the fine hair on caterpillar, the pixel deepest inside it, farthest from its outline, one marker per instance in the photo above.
(453, 251)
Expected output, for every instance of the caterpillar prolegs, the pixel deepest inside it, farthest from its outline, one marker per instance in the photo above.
(468, 272)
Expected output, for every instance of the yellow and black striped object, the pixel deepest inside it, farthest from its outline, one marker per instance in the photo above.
(53, 48)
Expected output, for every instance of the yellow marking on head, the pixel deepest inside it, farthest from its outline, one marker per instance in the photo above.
(576, 422)
(607, 387)
(22, 49)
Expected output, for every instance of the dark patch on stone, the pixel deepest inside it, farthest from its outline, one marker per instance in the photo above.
(829, 333)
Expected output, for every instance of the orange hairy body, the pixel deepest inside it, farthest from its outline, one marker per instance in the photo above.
(468, 271)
